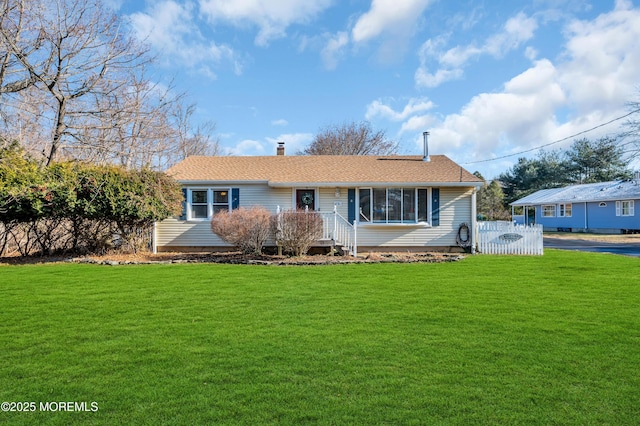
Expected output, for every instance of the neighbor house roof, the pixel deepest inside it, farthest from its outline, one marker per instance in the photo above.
(324, 170)
(602, 191)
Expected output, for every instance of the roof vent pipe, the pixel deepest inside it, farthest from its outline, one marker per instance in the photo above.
(280, 150)
(425, 137)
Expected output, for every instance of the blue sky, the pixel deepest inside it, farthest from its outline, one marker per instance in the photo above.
(487, 79)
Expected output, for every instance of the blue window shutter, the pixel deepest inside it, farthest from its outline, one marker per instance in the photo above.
(351, 195)
(235, 198)
(435, 207)
(183, 215)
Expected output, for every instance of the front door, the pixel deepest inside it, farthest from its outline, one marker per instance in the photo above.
(305, 199)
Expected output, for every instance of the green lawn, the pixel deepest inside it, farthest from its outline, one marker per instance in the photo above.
(489, 340)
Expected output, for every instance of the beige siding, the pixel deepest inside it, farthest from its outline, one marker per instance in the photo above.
(173, 232)
(455, 208)
(179, 233)
(262, 195)
(327, 200)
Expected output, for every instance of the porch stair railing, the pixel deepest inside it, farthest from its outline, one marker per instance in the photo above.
(338, 230)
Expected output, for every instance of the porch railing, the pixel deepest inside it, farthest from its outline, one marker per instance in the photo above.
(337, 228)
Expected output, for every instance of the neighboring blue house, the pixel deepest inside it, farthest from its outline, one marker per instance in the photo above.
(605, 207)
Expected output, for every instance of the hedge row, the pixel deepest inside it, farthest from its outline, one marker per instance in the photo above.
(77, 207)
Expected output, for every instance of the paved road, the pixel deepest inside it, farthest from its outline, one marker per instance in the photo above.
(627, 249)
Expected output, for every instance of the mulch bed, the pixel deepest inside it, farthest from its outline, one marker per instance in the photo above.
(237, 258)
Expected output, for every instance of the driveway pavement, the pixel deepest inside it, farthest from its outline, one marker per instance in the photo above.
(627, 249)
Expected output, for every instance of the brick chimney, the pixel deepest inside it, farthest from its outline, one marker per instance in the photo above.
(280, 150)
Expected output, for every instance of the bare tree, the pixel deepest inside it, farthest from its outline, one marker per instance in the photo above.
(74, 85)
(355, 138)
(89, 57)
(193, 140)
(131, 126)
(17, 34)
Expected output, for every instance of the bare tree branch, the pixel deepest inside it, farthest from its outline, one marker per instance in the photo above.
(351, 139)
(74, 85)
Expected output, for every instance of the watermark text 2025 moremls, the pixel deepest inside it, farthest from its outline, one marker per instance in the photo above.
(52, 406)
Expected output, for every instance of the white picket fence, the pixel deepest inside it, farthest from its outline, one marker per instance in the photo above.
(509, 238)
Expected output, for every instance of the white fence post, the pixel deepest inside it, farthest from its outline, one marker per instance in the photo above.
(509, 238)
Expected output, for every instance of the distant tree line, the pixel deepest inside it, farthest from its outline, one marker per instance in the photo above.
(76, 207)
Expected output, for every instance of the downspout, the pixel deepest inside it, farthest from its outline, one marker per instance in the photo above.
(473, 220)
(586, 219)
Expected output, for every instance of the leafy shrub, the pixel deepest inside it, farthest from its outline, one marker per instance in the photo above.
(297, 230)
(247, 229)
(70, 206)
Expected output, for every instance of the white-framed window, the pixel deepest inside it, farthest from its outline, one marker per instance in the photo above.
(221, 200)
(203, 203)
(549, 210)
(564, 210)
(393, 205)
(199, 206)
(624, 208)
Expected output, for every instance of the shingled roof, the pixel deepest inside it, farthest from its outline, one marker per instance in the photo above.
(588, 192)
(324, 170)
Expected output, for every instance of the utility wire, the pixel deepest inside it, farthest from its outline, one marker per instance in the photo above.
(554, 142)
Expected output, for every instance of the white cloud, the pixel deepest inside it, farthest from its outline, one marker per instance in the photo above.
(390, 21)
(517, 30)
(377, 108)
(294, 142)
(169, 26)
(603, 59)
(417, 123)
(392, 16)
(594, 76)
(459, 56)
(450, 63)
(246, 147)
(521, 116)
(425, 79)
(113, 4)
(280, 122)
(334, 49)
(272, 17)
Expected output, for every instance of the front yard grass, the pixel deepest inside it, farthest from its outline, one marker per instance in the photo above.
(489, 340)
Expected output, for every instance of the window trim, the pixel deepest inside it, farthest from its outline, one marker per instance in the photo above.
(402, 222)
(620, 208)
(563, 208)
(548, 210)
(210, 202)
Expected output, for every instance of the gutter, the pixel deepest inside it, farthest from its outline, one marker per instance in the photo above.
(385, 184)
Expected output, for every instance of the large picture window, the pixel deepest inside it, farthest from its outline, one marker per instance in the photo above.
(393, 205)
